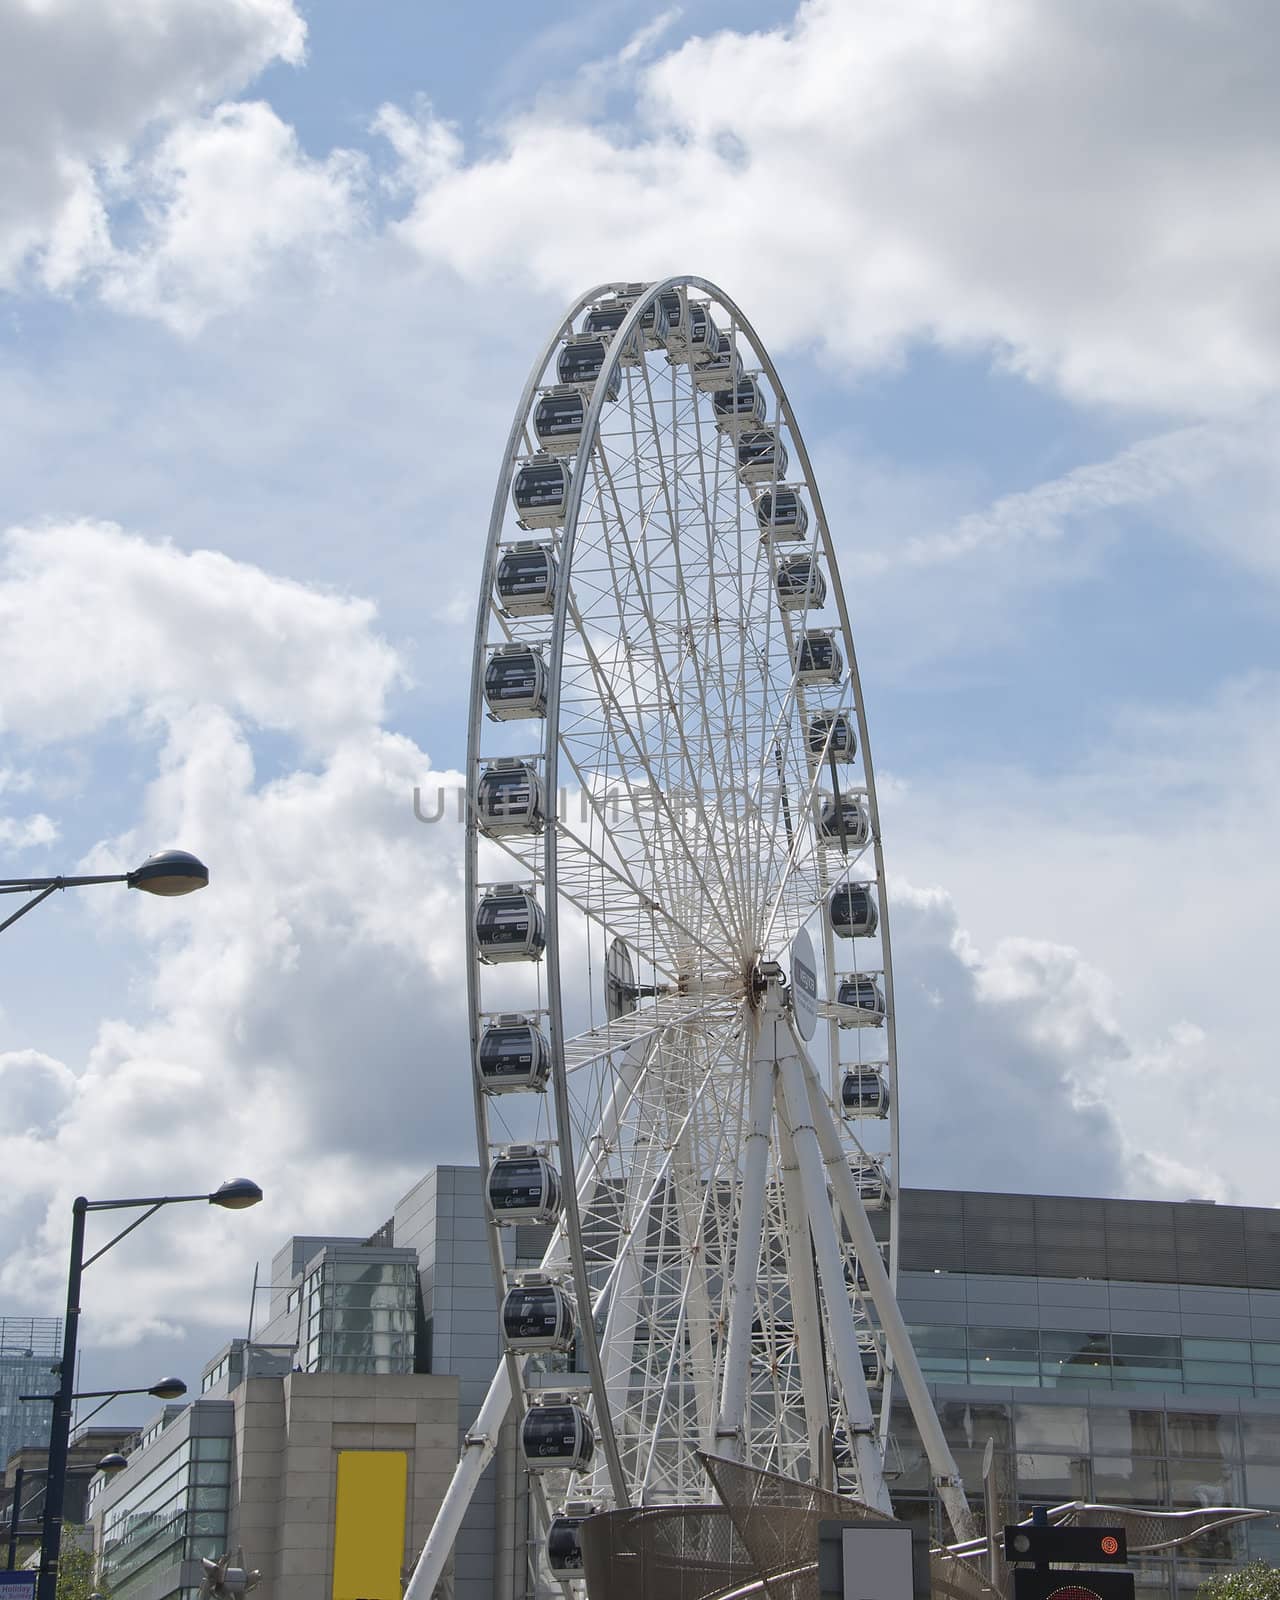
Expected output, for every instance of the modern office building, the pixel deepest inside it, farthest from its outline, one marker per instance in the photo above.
(328, 1481)
(1124, 1351)
(341, 1417)
(30, 1349)
(1115, 1350)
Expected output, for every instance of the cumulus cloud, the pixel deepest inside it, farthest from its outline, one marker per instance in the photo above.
(80, 85)
(226, 201)
(1006, 1058)
(1154, 853)
(89, 617)
(284, 1018)
(1070, 186)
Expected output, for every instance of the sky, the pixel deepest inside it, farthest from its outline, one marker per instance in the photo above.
(271, 277)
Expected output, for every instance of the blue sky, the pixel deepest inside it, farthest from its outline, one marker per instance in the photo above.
(270, 280)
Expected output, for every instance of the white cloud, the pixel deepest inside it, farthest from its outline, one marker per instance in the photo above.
(286, 1017)
(226, 200)
(1009, 1059)
(1072, 186)
(80, 85)
(277, 654)
(1176, 464)
(1154, 856)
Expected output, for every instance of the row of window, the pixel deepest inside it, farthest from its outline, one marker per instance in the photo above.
(1082, 1430)
(178, 1511)
(1053, 1358)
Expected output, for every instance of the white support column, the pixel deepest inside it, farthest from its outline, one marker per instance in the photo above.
(946, 1475)
(477, 1452)
(842, 1335)
(697, 1321)
(735, 1386)
(805, 1312)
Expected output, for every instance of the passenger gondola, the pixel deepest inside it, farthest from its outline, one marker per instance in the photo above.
(872, 1365)
(564, 1545)
(721, 369)
(607, 317)
(515, 683)
(537, 1315)
(762, 456)
(832, 735)
(660, 319)
(817, 657)
(740, 408)
(702, 339)
(864, 1093)
(859, 1002)
(523, 1186)
(513, 1053)
(781, 513)
(799, 584)
(509, 797)
(853, 911)
(526, 579)
(581, 361)
(540, 491)
(509, 925)
(557, 1438)
(872, 1183)
(846, 824)
(558, 419)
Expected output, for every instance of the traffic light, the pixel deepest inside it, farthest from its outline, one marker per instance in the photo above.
(1081, 1545)
(1042, 1583)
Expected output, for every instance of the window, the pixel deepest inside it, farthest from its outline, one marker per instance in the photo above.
(1131, 1480)
(1063, 1428)
(1261, 1439)
(1205, 1483)
(1120, 1432)
(1197, 1433)
(1053, 1477)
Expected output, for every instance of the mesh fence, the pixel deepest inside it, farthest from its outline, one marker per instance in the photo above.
(763, 1540)
(663, 1553)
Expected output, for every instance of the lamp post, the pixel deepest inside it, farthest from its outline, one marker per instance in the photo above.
(235, 1195)
(171, 872)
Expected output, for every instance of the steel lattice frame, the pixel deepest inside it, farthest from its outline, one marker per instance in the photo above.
(729, 1293)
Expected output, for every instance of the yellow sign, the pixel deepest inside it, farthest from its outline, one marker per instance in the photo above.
(368, 1530)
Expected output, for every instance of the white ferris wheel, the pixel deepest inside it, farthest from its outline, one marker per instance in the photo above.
(680, 983)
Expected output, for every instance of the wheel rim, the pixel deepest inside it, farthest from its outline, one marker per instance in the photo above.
(675, 721)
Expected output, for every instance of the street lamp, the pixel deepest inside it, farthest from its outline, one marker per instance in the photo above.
(171, 872)
(234, 1195)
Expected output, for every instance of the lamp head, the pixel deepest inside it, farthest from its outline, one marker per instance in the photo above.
(113, 1463)
(237, 1194)
(169, 873)
(168, 1389)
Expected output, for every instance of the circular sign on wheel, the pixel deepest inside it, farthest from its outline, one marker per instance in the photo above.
(804, 985)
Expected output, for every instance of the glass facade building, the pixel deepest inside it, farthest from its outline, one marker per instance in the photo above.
(1119, 1351)
(175, 1507)
(360, 1315)
(29, 1349)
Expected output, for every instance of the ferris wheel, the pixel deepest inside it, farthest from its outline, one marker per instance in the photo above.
(679, 970)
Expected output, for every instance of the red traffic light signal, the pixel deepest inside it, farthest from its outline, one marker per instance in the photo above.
(1027, 1542)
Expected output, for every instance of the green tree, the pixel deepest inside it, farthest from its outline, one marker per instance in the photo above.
(75, 1570)
(1257, 1581)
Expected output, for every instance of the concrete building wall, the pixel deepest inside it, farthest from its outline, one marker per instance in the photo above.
(288, 1439)
(286, 1436)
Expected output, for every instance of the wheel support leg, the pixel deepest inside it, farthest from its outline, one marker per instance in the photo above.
(946, 1475)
